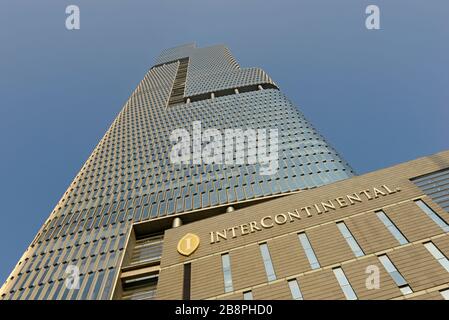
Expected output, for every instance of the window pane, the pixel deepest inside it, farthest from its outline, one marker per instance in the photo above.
(406, 290)
(248, 295)
(445, 294)
(314, 264)
(436, 218)
(437, 254)
(267, 262)
(226, 265)
(358, 252)
(294, 289)
(344, 284)
(391, 269)
(391, 227)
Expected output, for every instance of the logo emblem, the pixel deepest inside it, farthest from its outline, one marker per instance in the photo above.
(188, 244)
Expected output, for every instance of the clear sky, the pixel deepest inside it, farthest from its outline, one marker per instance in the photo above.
(380, 97)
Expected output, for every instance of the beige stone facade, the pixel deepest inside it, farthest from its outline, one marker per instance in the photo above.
(316, 212)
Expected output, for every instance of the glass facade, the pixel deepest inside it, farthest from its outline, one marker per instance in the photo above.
(436, 186)
(129, 177)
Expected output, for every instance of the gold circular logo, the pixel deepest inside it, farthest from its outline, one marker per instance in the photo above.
(188, 244)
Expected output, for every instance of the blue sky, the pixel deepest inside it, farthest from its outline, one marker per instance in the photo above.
(380, 97)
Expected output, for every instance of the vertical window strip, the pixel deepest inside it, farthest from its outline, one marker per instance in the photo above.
(314, 264)
(445, 294)
(344, 284)
(226, 265)
(391, 227)
(438, 255)
(248, 295)
(433, 215)
(394, 273)
(267, 262)
(358, 252)
(108, 285)
(186, 282)
(295, 290)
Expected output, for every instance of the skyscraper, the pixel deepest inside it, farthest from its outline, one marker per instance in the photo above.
(112, 217)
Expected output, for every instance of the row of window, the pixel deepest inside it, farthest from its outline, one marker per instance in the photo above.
(291, 156)
(436, 186)
(93, 285)
(340, 276)
(269, 112)
(208, 174)
(356, 249)
(178, 200)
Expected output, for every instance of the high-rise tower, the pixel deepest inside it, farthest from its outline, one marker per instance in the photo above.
(112, 217)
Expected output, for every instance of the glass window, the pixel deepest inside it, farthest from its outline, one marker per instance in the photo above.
(108, 285)
(85, 291)
(98, 283)
(187, 279)
(391, 227)
(437, 254)
(358, 252)
(294, 289)
(344, 284)
(39, 291)
(226, 264)
(436, 186)
(406, 289)
(432, 215)
(248, 295)
(59, 286)
(314, 264)
(267, 262)
(394, 273)
(142, 288)
(445, 294)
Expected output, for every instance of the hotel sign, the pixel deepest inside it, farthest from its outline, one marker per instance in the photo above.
(305, 212)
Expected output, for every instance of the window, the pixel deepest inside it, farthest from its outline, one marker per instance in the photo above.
(226, 265)
(436, 186)
(267, 262)
(350, 239)
(186, 282)
(394, 273)
(248, 295)
(445, 294)
(141, 288)
(294, 289)
(437, 254)
(98, 283)
(314, 264)
(432, 215)
(89, 279)
(344, 284)
(391, 227)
